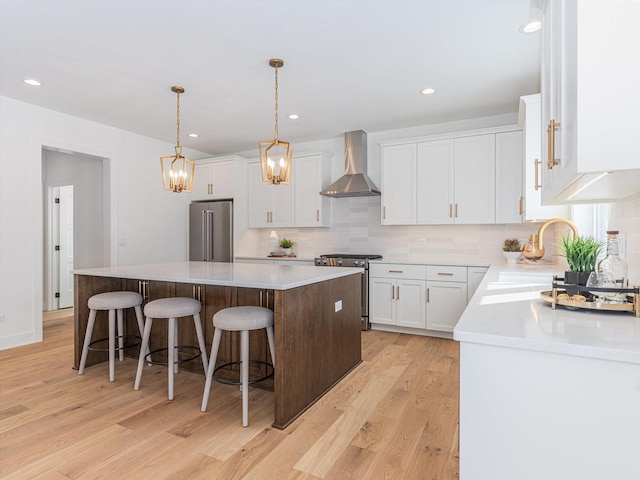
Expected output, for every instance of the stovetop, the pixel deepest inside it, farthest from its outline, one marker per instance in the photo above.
(366, 256)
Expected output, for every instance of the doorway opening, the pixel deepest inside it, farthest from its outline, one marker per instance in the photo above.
(75, 220)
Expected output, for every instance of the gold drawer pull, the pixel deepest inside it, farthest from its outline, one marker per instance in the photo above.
(396, 271)
(449, 274)
(551, 143)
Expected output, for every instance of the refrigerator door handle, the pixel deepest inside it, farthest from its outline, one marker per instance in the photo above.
(208, 246)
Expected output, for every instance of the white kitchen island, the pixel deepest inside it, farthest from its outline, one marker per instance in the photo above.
(545, 394)
(316, 318)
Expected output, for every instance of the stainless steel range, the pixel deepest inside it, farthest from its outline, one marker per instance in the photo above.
(352, 260)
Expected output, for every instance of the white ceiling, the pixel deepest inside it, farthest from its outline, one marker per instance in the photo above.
(349, 64)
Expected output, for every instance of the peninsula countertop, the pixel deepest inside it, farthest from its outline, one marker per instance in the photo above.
(507, 311)
(276, 277)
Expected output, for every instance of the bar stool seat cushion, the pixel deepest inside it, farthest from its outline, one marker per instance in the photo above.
(243, 318)
(114, 300)
(172, 307)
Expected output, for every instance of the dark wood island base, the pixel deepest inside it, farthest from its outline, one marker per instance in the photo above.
(315, 345)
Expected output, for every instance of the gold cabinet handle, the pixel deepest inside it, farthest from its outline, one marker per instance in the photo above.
(393, 292)
(456, 210)
(396, 271)
(317, 215)
(536, 179)
(427, 295)
(450, 210)
(446, 274)
(551, 143)
(384, 213)
(521, 209)
(398, 294)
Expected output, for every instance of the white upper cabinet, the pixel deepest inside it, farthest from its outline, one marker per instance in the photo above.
(475, 177)
(435, 183)
(590, 101)
(398, 184)
(529, 120)
(313, 173)
(269, 205)
(213, 179)
(509, 165)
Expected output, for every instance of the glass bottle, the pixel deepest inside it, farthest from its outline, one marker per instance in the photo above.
(613, 266)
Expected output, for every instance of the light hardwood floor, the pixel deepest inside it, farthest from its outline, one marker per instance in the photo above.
(394, 417)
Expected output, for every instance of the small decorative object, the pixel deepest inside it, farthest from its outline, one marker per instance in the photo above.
(286, 245)
(511, 250)
(274, 241)
(531, 250)
(581, 254)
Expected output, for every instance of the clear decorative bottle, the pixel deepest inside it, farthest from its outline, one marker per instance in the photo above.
(614, 266)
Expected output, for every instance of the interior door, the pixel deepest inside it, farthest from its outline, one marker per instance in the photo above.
(65, 243)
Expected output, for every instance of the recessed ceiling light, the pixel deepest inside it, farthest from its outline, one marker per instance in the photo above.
(194, 135)
(293, 116)
(32, 82)
(531, 26)
(428, 91)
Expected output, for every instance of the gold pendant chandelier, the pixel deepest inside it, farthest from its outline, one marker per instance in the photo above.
(276, 156)
(177, 168)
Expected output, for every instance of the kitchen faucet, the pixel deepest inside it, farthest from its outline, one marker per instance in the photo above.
(542, 228)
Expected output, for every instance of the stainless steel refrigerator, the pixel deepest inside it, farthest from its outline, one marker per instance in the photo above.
(211, 231)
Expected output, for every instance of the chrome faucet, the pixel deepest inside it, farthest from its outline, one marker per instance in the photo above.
(549, 222)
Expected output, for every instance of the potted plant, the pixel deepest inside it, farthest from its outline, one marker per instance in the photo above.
(511, 249)
(582, 254)
(286, 245)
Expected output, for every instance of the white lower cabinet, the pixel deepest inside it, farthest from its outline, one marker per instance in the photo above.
(474, 277)
(396, 294)
(424, 299)
(446, 296)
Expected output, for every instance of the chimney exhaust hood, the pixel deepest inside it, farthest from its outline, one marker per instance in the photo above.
(354, 182)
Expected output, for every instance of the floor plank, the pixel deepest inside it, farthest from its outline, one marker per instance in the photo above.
(395, 416)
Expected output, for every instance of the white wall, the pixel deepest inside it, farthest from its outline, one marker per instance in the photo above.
(153, 221)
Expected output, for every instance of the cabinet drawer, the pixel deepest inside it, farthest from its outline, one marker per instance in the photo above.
(446, 273)
(390, 270)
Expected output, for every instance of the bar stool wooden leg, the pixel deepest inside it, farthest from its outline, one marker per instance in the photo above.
(244, 354)
(120, 335)
(112, 345)
(201, 344)
(144, 347)
(217, 334)
(87, 341)
(171, 347)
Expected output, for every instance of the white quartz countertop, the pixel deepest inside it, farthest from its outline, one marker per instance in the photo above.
(507, 311)
(276, 277)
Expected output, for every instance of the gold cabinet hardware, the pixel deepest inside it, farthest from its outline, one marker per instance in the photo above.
(427, 295)
(398, 294)
(267, 217)
(521, 207)
(396, 271)
(446, 274)
(551, 143)
(450, 210)
(317, 215)
(456, 210)
(142, 288)
(536, 179)
(384, 213)
(393, 292)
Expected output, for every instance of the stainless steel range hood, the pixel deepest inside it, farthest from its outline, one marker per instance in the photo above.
(354, 182)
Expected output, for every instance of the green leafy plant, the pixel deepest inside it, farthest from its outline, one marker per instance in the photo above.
(286, 243)
(581, 253)
(511, 245)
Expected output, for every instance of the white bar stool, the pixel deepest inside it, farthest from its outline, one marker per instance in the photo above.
(239, 319)
(114, 302)
(172, 308)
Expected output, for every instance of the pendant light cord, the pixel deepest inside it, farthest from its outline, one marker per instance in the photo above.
(275, 132)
